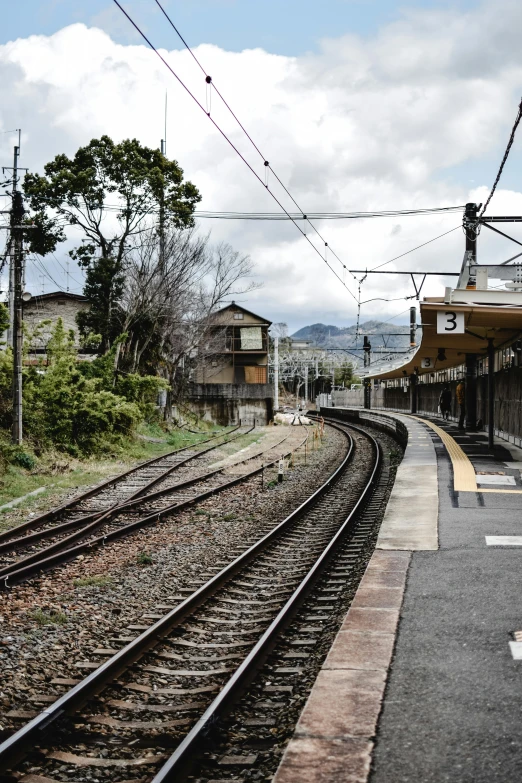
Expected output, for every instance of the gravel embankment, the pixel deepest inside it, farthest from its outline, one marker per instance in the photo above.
(83, 618)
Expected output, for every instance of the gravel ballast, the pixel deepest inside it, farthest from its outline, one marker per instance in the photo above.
(48, 627)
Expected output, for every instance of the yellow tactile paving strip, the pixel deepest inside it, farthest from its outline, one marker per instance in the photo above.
(464, 477)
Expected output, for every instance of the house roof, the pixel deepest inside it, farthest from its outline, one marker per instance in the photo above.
(58, 295)
(235, 307)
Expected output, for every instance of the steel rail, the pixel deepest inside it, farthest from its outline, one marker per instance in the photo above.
(99, 516)
(19, 744)
(59, 553)
(54, 512)
(185, 754)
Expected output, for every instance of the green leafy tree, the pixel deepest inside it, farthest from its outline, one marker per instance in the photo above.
(72, 412)
(106, 190)
(344, 374)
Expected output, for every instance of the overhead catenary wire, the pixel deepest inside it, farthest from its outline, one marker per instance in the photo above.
(266, 163)
(302, 215)
(504, 159)
(231, 143)
(415, 248)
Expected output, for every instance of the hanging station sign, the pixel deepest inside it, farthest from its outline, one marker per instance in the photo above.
(450, 322)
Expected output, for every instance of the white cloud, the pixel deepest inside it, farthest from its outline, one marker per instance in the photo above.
(365, 124)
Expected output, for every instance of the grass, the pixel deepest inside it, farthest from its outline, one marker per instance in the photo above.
(59, 473)
(93, 581)
(48, 618)
(230, 448)
(144, 558)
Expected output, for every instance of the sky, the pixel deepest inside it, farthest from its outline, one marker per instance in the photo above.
(359, 105)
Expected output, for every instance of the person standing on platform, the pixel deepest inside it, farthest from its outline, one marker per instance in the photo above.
(461, 400)
(445, 402)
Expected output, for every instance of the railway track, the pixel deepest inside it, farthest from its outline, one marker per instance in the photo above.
(112, 492)
(21, 558)
(164, 690)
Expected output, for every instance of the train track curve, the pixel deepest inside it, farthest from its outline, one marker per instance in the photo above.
(164, 494)
(216, 638)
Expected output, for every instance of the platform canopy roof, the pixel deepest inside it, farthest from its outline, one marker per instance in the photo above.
(501, 323)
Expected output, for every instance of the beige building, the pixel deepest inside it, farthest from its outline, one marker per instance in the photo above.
(51, 307)
(237, 348)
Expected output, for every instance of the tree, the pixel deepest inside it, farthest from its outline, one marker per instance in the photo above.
(168, 302)
(109, 192)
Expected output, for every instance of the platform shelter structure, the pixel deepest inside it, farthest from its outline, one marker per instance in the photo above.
(466, 334)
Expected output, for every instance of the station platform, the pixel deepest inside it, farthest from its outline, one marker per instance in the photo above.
(423, 683)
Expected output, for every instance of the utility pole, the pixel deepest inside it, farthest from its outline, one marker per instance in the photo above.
(306, 383)
(470, 257)
(413, 326)
(163, 149)
(16, 277)
(276, 373)
(10, 331)
(17, 215)
(367, 347)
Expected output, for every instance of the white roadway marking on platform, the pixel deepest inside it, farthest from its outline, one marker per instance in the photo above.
(504, 540)
(492, 479)
(516, 650)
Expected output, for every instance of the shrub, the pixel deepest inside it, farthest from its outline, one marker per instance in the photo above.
(24, 460)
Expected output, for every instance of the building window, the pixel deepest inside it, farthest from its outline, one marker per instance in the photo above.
(238, 316)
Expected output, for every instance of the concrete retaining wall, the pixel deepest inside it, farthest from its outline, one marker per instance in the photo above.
(230, 403)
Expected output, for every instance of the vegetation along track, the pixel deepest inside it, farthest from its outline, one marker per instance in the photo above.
(122, 506)
(167, 676)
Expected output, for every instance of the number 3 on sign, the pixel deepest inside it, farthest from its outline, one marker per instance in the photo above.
(450, 322)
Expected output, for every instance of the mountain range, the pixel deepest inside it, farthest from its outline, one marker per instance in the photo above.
(380, 334)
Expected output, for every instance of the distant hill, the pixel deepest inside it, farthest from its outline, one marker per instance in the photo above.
(329, 336)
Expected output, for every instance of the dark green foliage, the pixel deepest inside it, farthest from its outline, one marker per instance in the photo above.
(71, 406)
(24, 460)
(103, 288)
(44, 235)
(126, 180)
(4, 318)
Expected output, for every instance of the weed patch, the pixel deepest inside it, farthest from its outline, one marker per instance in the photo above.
(93, 581)
(52, 617)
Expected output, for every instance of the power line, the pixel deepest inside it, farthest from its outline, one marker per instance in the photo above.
(218, 128)
(415, 248)
(65, 270)
(302, 216)
(323, 215)
(266, 163)
(36, 260)
(224, 215)
(504, 159)
(287, 215)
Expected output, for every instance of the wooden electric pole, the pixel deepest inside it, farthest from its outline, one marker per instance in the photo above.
(16, 276)
(17, 216)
